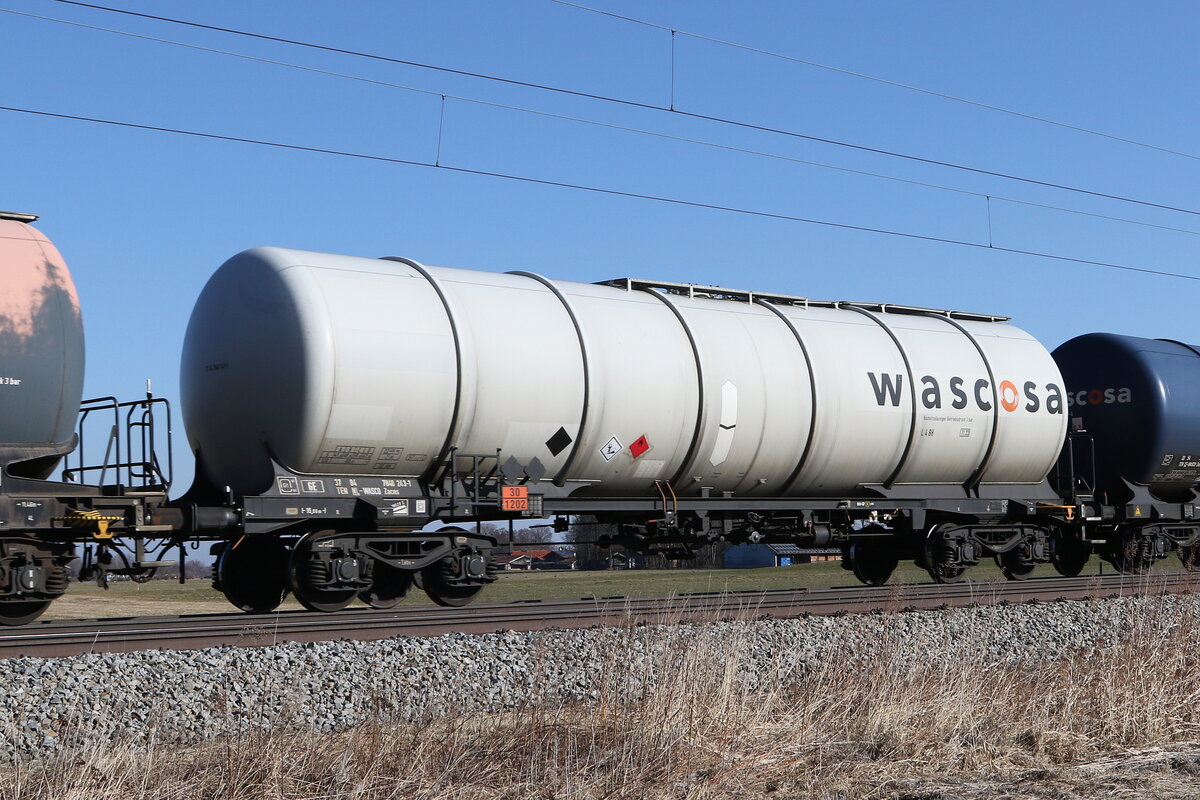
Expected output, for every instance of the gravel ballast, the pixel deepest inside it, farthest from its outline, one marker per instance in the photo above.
(188, 696)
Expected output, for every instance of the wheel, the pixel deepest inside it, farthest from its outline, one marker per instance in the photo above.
(304, 573)
(1189, 557)
(872, 564)
(1012, 567)
(937, 557)
(251, 573)
(388, 586)
(438, 582)
(1126, 552)
(23, 612)
(442, 583)
(1069, 556)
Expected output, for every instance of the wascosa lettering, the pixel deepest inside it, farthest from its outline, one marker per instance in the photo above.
(961, 392)
(1095, 397)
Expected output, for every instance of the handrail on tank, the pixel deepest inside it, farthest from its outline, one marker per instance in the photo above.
(692, 290)
(145, 472)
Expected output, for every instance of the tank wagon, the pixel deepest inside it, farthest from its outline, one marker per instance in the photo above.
(388, 397)
(41, 385)
(353, 419)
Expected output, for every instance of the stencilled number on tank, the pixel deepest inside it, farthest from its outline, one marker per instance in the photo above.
(5, 381)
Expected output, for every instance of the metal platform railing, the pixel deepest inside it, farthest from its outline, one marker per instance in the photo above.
(137, 453)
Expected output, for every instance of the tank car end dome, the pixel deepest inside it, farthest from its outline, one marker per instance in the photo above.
(41, 350)
(1137, 399)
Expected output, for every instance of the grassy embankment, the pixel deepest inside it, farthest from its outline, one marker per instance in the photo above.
(125, 598)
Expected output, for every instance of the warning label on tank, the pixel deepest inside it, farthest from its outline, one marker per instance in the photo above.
(558, 442)
(640, 446)
(610, 449)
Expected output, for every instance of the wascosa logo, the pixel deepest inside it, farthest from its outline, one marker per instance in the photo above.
(1096, 397)
(889, 389)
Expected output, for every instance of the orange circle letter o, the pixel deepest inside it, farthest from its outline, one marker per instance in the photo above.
(1009, 398)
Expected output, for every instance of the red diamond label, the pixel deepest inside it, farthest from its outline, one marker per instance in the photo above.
(639, 446)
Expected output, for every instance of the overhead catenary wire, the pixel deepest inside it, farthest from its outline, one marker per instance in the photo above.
(602, 190)
(637, 104)
(875, 78)
(443, 97)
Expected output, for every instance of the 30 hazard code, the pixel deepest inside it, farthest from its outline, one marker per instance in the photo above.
(514, 498)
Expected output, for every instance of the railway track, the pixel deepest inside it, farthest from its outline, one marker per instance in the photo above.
(73, 637)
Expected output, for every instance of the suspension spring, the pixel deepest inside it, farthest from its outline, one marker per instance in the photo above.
(56, 580)
(318, 572)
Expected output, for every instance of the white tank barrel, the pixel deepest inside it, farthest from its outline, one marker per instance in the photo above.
(342, 365)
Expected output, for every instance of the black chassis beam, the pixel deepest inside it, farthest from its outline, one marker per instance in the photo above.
(338, 501)
(1156, 511)
(53, 517)
(266, 513)
(352, 502)
(702, 506)
(1175, 520)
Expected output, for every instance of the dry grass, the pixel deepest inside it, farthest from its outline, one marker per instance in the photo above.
(1119, 722)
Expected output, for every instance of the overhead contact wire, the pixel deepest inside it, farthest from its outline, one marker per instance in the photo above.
(634, 104)
(443, 97)
(885, 81)
(599, 190)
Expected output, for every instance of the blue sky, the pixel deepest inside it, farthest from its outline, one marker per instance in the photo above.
(144, 218)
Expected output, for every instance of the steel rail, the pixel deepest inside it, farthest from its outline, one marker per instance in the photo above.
(194, 631)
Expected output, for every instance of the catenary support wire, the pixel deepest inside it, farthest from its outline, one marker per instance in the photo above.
(635, 104)
(605, 191)
(596, 123)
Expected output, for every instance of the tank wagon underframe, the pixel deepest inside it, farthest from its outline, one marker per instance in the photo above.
(376, 542)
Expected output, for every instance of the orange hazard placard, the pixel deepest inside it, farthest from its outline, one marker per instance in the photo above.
(514, 498)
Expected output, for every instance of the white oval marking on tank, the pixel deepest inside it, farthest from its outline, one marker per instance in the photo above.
(728, 424)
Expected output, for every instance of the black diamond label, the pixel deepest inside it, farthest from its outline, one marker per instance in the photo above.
(558, 442)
